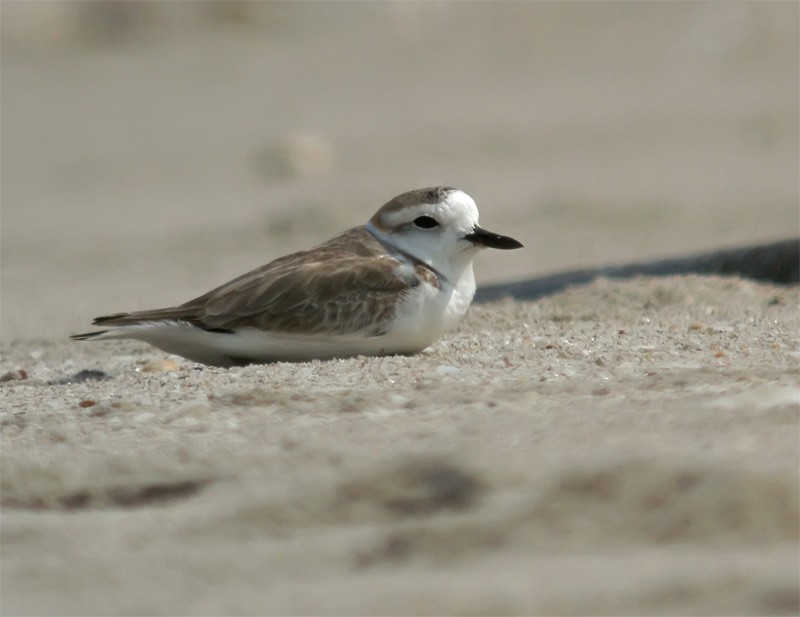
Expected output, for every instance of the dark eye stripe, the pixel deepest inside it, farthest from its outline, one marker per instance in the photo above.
(426, 222)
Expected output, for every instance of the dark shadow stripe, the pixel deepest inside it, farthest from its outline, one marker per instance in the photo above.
(778, 262)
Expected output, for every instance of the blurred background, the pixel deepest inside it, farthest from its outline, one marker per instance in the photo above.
(152, 150)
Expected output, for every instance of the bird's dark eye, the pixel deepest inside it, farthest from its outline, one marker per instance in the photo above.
(426, 222)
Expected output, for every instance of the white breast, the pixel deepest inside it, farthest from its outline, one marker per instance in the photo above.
(427, 312)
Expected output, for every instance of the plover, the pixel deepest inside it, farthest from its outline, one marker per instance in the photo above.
(392, 286)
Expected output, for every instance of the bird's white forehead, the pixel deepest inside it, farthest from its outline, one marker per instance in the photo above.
(448, 205)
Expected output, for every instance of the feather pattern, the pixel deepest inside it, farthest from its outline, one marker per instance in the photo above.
(348, 285)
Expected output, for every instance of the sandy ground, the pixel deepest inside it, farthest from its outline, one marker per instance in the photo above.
(629, 447)
(623, 448)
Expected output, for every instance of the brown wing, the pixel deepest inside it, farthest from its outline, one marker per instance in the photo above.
(345, 286)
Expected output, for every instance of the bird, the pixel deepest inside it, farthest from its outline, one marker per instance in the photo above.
(393, 286)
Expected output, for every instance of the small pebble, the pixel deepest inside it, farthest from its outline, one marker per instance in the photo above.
(160, 366)
(16, 375)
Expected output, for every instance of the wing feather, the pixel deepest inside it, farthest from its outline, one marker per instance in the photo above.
(349, 296)
(348, 285)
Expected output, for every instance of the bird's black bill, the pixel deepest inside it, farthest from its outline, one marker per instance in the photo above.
(492, 240)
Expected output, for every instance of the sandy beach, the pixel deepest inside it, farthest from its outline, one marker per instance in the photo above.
(624, 447)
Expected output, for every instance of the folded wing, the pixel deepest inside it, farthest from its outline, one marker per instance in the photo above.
(334, 292)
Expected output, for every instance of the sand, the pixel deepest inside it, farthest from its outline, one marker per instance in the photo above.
(626, 447)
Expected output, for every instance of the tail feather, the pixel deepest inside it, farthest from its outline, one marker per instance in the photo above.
(109, 319)
(87, 335)
(138, 317)
(119, 321)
